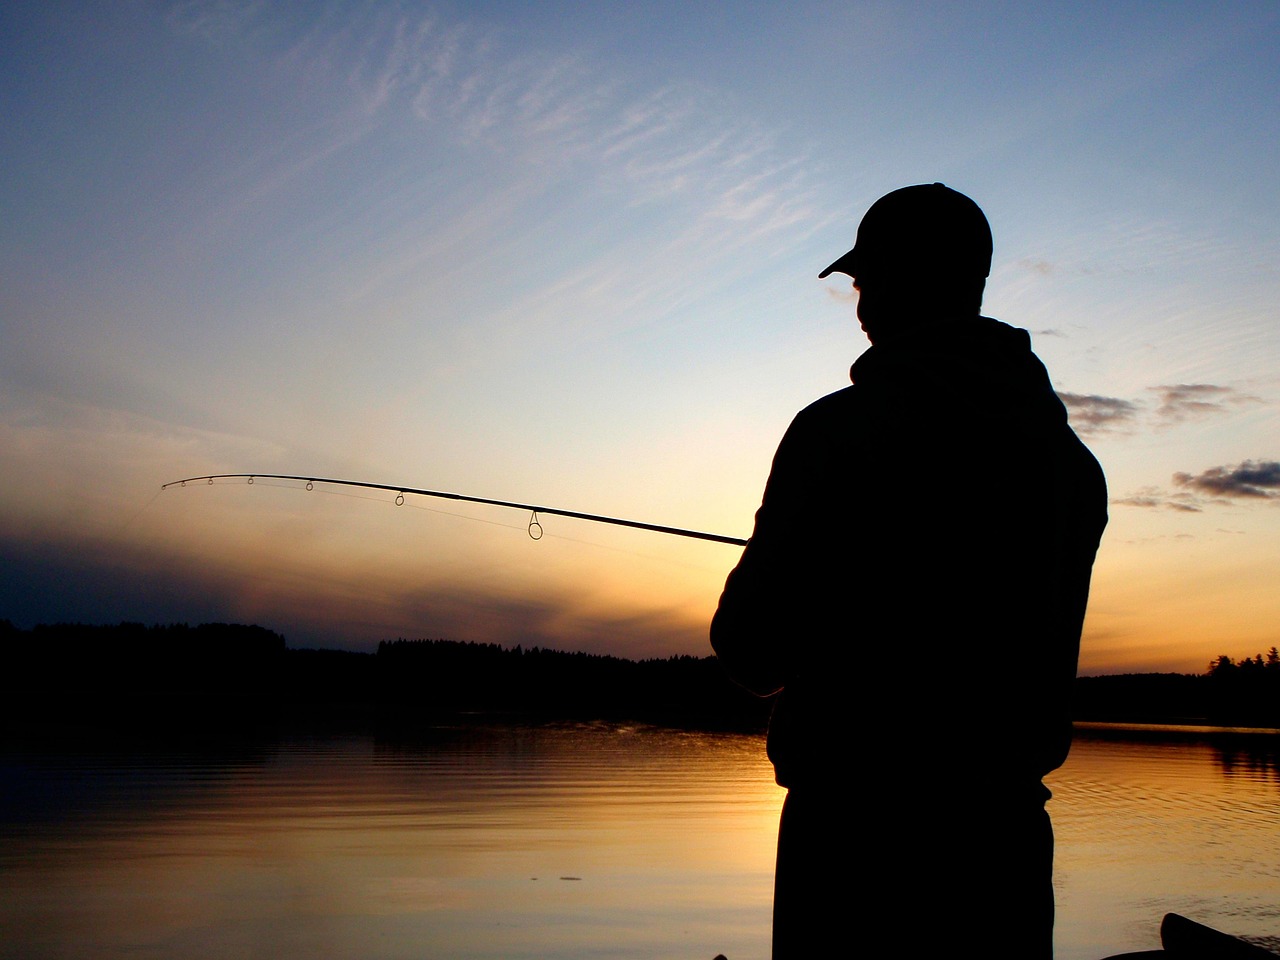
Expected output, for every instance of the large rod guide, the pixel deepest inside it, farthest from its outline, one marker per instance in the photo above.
(535, 528)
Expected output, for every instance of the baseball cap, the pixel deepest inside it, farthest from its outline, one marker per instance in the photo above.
(928, 226)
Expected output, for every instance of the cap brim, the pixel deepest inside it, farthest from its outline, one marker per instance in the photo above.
(844, 265)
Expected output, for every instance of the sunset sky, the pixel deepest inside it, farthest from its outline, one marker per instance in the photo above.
(566, 253)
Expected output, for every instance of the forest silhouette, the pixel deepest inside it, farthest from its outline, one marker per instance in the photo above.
(228, 676)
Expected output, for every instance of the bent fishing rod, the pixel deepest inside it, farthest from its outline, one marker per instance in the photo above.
(535, 527)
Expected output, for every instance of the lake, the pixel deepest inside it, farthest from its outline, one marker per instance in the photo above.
(560, 842)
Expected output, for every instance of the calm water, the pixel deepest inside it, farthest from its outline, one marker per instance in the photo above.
(560, 843)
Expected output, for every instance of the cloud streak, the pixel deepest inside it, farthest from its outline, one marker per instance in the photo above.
(1252, 479)
(1091, 413)
(1216, 486)
(51, 581)
(566, 114)
(1156, 498)
(1179, 403)
(1182, 402)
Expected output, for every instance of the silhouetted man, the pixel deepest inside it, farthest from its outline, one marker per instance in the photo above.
(915, 588)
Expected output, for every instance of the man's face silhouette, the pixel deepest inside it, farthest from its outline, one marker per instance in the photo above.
(896, 302)
(873, 305)
(857, 286)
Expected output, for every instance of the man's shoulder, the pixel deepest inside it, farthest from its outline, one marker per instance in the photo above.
(838, 404)
(820, 427)
(824, 414)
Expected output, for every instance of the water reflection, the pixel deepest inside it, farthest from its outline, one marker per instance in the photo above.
(1152, 820)
(560, 842)
(458, 848)
(1247, 752)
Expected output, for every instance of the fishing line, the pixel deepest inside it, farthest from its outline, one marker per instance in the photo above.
(129, 522)
(534, 528)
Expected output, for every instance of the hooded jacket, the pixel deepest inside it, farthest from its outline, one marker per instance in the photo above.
(921, 559)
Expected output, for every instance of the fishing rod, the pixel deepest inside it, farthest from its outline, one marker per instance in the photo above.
(535, 528)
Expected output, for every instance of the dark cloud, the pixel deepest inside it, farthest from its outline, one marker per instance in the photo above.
(1217, 486)
(1257, 479)
(1091, 413)
(52, 581)
(47, 581)
(1175, 403)
(1139, 500)
(1155, 498)
(1190, 401)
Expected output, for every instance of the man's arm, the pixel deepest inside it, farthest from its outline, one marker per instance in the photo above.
(758, 631)
(745, 638)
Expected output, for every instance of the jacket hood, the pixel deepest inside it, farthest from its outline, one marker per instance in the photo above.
(977, 361)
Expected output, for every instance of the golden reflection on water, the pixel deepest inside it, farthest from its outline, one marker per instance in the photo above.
(562, 843)
(1155, 820)
(512, 843)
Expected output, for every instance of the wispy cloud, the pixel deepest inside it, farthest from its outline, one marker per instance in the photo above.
(1178, 403)
(1039, 267)
(1091, 413)
(213, 20)
(1256, 479)
(1156, 498)
(567, 113)
(1216, 486)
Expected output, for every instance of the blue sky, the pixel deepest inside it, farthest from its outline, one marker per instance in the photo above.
(567, 253)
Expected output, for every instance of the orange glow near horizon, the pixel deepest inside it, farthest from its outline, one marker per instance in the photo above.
(339, 571)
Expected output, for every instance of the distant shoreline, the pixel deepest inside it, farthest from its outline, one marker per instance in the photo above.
(150, 680)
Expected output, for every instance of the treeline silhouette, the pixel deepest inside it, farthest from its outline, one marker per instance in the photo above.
(219, 675)
(218, 659)
(456, 677)
(1244, 693)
